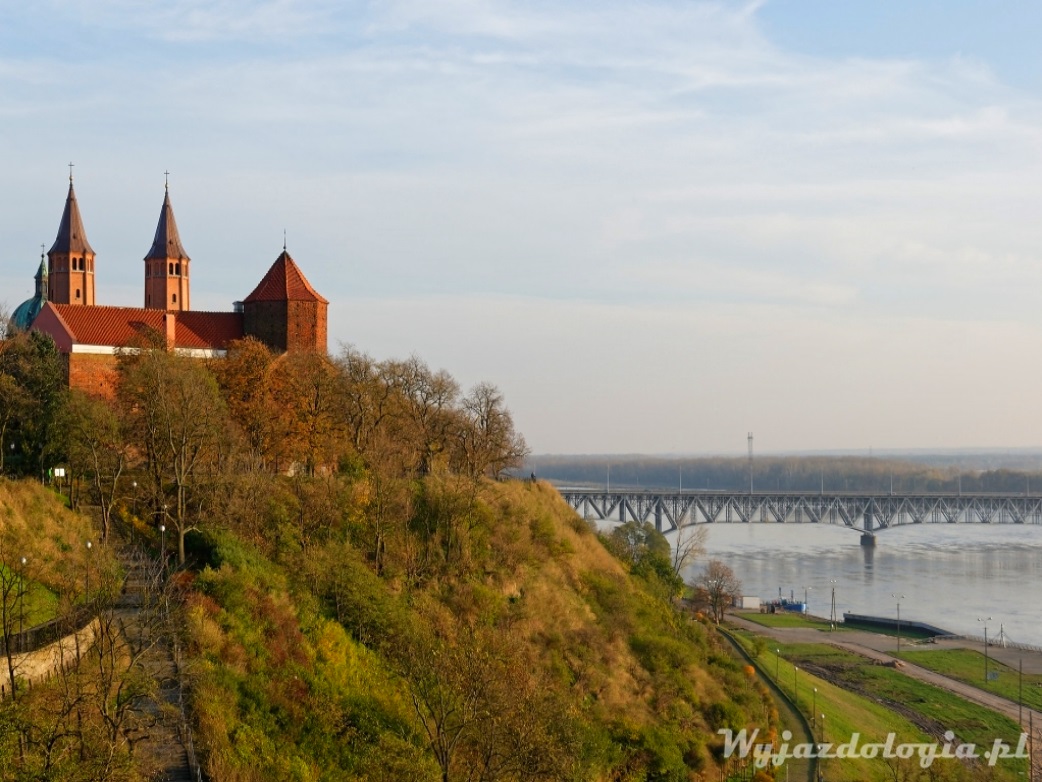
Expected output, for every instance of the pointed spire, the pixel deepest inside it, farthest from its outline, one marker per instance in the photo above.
(71, 236)
(41, 277)
(284, 282)
(167, 242)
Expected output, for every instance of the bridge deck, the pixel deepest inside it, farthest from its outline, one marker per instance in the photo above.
(864, 512)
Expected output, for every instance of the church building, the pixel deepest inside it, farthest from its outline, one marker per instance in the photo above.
(283, 311)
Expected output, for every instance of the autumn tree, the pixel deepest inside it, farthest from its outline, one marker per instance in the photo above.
(96, 443)
(369, 398)
(720, 586)
(484, 711)
(308, 398)
(426, 416)
(489, 445)
(32, 388)
(177, 417)
(242, 376)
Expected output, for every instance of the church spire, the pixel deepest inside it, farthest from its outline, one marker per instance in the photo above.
(41, 277)
(166, 264)
(71, 236)
(71, 258)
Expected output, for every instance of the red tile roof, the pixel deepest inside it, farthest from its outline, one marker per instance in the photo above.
(212, 330)
(121, 326)
(284, 282)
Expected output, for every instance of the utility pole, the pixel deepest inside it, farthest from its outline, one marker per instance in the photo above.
(750, 462)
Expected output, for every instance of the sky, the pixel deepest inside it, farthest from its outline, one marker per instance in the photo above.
(656, 225)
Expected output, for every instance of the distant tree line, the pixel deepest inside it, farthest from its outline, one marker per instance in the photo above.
(779, 473)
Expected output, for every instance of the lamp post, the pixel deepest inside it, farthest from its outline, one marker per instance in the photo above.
(777, 665)
(162, 545)
(806, 602)
(985, 621)
(21, 597)
(899, 598)
(832, 612)
(795, 686)
(814, 712)
(87, 569)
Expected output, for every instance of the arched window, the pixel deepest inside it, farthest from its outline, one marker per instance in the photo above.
(175, 299)
(171, 269)
(177, 269)
(77, 293)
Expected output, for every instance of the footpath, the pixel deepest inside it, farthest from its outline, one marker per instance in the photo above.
(166, 750)
(880, 648)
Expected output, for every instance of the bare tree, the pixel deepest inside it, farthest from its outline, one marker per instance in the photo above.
(690, 545)
(720, 585)
(178, 420)
(97, 446)
(489, 443)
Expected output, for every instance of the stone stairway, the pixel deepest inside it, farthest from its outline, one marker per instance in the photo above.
(165, 751)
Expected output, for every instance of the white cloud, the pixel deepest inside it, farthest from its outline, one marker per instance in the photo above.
(650, 204)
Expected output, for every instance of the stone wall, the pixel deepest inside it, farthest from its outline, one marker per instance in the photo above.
(41, 665)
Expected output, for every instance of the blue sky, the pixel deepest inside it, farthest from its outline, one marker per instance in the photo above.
(655, 225)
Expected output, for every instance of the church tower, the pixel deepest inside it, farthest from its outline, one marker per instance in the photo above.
(71, 259)
(166, 265)
(285, 312)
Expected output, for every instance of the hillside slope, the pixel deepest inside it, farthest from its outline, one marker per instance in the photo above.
(443, 629)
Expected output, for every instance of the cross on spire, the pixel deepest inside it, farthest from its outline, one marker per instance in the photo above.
(70, 172)
(166, 182)
(283, 240)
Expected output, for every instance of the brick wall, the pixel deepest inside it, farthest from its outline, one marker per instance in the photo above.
(94, 374)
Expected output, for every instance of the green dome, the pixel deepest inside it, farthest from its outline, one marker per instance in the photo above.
(26, 313)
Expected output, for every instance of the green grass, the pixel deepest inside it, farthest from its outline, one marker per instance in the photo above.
(857, 703)
(845, 712)
(967, 665)
(972, 723)
(40, 605)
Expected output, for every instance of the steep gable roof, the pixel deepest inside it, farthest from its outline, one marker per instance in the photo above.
(284, 282)
(71, 236)
(167, 242)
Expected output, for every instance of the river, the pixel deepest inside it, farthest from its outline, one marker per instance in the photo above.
(950, 575)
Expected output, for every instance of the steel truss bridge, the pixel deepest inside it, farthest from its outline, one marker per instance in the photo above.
(866, 513)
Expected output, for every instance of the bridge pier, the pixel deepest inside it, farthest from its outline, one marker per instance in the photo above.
(868, 539)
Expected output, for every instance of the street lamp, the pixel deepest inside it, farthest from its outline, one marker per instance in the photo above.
(795, 686)
(777, 665)
(985, 620)
(162, 547)
(832, 613)
(814, 711)
(899, 598)
(21, 596)
(87, 568)
(806, 602)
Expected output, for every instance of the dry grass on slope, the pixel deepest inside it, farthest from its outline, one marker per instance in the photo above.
(35, 524)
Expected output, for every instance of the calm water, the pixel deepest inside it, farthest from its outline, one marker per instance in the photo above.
(949, 574)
